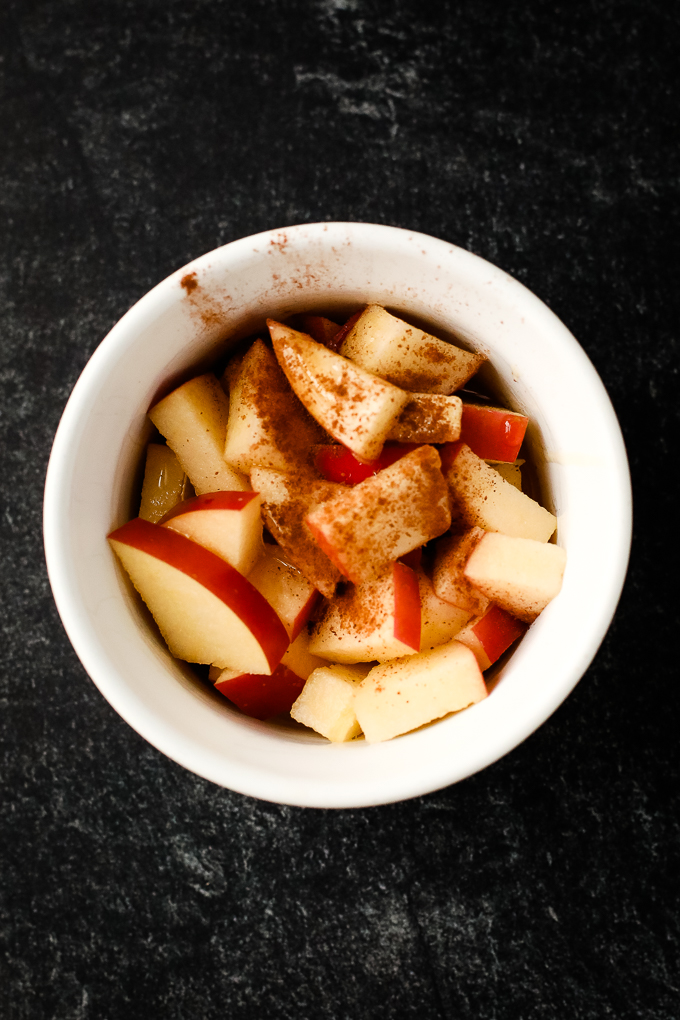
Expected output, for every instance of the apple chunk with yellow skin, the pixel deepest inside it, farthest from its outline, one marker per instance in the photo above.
(365, 528)
(326, 703)
(285, 588)
(406, 356)
(206, 611)
(482, 498)
(165, 483)
(401, 695)
(227, 523)
(519, 574)
(193, 419)
(378, 620)
(354, 406)
(267, 426)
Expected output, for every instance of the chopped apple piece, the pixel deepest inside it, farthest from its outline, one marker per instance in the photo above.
(510, 472)
(406, 356)
(326, 703)
(378, 620)
(366, 528)
(480, 497)
(297, 658)
(285, 588)
(448, 574)
(227, 523)
(206, 611)
(401, 695)
(286, 501)
(165, 483)
(260, 696)
(193, 419)
(491, 634)
(338, 464)
(428, 418)
(520, 574)
(321, 329)
(353, 405)
(267, 426)
(493, 433)
(440, 622)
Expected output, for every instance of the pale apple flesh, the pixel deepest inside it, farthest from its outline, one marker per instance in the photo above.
(227, 523)
(519, 574)
(448, 573)
(326, 703)
(165, 483)
(285, 588)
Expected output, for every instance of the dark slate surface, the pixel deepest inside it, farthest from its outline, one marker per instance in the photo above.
(137, 135)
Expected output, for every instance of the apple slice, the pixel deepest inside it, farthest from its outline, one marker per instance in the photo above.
(321, 329)
(493, 433)
(353, 406)
(448, 574)
(406, 356)
(285, 588)
(227, 523)
(439, 621)
(206, 611)
(286, 501)
(364, 529)
(165, 483)
(520, 574)
(193, 419)
(491, 634)
(483, 499)
(401, 695)
(267, 426)
(326, 703)
(379, 620)
(338, 464)
(428, 418)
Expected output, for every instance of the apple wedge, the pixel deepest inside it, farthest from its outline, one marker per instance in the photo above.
(267, 425)
(326, 703)
(352, 405)
(378, 620)
(286, 501)
(364, 529)
(519, 574)
(227, 523)
(401, 695)
(493, 433)
(193, 419)
(165, 483)
(321, 329)
(428, 418)
(491, 634)
(406, 356)
(448, 572)
(481, 498)
(285, 588)
(206, 611)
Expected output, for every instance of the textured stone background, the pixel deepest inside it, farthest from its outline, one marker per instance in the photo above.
(135, 136)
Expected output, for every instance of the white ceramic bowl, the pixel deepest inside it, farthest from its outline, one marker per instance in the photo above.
(187, 321)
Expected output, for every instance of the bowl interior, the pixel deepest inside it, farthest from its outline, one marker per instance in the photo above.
(188, 323)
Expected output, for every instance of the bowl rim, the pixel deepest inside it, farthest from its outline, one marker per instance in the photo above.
(59, 474)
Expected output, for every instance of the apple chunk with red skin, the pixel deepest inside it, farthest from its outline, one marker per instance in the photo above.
(493, 433)
(364, 529)
(285, 588)
(227, 523)
(491, 634)
(338, 464)
(206, 611)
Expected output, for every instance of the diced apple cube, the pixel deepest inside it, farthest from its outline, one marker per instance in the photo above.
(193, 419)
(448, 574)
(378, 620)
(440, 621)
(353, 405)
(267, 426)
(366, 528)
(480, 497)
(491, 634)
(520, 574)
(227, 523)
(285, 588)
(428, 418)
(326, 703)
(406, 356)
(401, 695)
(493, 433)
(286, 501)
(165, 483)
